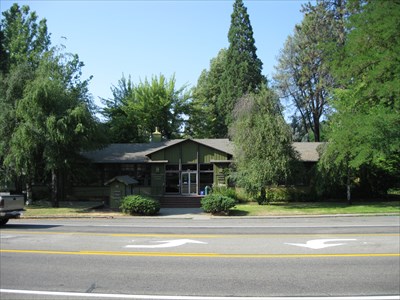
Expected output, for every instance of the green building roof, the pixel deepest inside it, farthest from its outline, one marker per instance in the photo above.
(139, 152)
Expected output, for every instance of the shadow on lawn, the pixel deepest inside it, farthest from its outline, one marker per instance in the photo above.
(238, 212)
(65, 207)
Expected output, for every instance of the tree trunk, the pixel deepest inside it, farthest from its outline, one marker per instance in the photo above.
(61, 186)
(28, 191)
(348, 186)
(316, 128)
(263, 196)
(54, 189)
(18, 185)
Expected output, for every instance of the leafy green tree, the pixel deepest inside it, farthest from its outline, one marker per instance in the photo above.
(11, 92)
(160, 104)
(205, 120)
(123, 126)
(23, 42)
(243, 68)
(369, 62)
(364, 138)
(264, 154)
(54, 122)
(303, 73)
(363, 152)
(137, 110)
(23, 38)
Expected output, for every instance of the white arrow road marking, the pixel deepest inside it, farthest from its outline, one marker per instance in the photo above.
(321, 243)
(167, 244)
(165, 297)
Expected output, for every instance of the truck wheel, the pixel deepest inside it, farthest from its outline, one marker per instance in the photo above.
(3, 222)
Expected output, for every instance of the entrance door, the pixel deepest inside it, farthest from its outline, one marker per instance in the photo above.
(189, 183)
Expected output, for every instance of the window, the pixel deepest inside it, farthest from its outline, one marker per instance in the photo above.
(191, 167)
(172, 182)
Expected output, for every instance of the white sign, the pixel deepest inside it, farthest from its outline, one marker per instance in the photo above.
(167, 244)
(321, 243)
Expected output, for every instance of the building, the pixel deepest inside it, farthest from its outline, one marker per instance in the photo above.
(179, 171)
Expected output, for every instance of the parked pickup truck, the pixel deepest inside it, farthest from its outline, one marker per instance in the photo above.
(11, 207)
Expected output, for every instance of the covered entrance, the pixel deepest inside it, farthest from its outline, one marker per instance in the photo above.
(185, 170)
(189, 183)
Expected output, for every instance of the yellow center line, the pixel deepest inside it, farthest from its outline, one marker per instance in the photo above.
(207, 255)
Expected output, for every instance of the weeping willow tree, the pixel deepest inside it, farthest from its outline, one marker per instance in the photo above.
(264, 154)
(54, 122)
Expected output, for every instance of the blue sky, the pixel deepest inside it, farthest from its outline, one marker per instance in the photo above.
(145, 38)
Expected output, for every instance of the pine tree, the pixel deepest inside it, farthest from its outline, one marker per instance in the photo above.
(205, 119)
(243, 68)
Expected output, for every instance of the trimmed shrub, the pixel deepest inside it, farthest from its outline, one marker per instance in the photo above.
(142, 205)
(216, 204)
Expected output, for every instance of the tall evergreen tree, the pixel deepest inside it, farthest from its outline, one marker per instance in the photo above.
(205, 120)
(243, 68)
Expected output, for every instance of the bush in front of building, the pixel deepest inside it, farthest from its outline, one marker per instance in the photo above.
(140, 205)
(217, 204)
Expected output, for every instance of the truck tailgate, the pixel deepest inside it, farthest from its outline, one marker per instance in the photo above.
(11, 202)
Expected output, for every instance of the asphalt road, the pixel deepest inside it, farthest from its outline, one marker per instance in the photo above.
(201, 258)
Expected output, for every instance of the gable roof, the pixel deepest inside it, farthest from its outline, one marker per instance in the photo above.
(138, 153)
(223, 145)
(123, 153)
(125, 179)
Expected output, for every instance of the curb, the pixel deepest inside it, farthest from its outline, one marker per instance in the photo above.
(205, 216)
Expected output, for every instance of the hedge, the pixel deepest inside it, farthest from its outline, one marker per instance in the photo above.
(216, 203)
(142, 205)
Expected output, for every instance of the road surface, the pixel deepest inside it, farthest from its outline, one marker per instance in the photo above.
(189, 258)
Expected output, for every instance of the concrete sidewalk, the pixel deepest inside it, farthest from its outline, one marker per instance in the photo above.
(186, 213)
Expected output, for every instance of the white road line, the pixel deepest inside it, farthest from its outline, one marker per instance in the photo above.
(236, 226)
(161, 297)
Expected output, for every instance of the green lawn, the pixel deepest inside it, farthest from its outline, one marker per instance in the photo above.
(85, 209)
(67, 208)
(316, 208)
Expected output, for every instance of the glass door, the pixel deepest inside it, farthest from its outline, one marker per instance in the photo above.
(189, 183)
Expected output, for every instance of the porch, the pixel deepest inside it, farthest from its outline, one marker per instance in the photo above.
(178, 201)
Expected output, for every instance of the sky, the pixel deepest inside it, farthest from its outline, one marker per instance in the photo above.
(146, 38)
